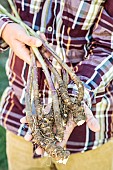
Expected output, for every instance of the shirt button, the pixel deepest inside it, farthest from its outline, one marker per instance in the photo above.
(49, 28)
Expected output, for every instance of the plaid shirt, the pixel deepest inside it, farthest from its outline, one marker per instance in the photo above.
(82, 35)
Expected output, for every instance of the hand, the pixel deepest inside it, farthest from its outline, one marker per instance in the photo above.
(16, 37)
(91, 122)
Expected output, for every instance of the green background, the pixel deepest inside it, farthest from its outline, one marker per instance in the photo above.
(3, 84)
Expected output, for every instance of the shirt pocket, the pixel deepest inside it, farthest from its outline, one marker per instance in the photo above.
(81, 13)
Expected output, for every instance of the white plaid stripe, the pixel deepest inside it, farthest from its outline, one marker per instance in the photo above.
(35, 5)
(92, 13)
(112, 40)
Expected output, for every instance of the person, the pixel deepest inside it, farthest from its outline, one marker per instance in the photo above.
(81, 34)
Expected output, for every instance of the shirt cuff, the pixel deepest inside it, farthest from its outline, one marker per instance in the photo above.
(3, 22)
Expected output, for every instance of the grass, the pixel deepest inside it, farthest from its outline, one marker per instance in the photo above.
(3, 85)
(5, 4)
(3, 58)
(3, 157)
(3, 79)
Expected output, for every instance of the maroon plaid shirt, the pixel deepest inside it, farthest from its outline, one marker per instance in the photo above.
(82, 32)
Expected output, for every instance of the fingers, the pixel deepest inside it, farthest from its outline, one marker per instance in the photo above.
(39, 151)
(42, 35)
(93, 124)
(27, 39)
(67, 132)
(28, 135)
(91, 121)
(23, 120)
(21, 50)
(24, 53)
(18, 41)
(19, 34)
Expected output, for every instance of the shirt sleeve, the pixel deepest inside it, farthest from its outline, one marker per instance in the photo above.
(96, 76)
(4, 20)
(96, 72)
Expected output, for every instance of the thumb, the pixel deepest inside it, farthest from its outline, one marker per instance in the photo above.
(28, 40)
(91, 121)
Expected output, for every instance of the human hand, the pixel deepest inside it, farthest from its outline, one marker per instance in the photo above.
(16, 37)
(91, 122)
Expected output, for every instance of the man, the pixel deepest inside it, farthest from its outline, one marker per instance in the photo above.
(82, 36)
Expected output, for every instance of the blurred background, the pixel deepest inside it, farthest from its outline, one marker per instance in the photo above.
(3, 85)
